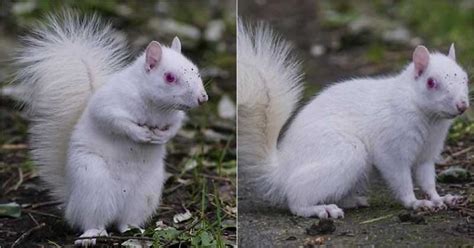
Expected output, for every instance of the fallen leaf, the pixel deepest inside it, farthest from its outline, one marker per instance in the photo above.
(135, 243)
(190, 164)
(178, 218)
(11, 209)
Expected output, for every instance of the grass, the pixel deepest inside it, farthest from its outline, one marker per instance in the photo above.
(205, 181)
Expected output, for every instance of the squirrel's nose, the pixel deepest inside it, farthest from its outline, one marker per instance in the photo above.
(461, 106)
(202, 98)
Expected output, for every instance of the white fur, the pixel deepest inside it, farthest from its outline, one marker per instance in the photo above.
(109, 125)
(394, 123)
(267, 90)
(58, 69)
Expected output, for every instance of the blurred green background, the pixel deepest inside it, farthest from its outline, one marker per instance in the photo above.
(339, 39)
(388, 30)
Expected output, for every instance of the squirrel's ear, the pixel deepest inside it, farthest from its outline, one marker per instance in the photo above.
(421, 58)
(152, 55)
(452, 52)
(176, 44)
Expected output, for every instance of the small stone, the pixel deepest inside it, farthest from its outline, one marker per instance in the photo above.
(412, 217)
(170, 26)
(22, 8)
(214, 30)
(325, 226)
(416, 41)
(361, 24)
(397, 35)
(162, 7)
(124, 10)
(317, 50)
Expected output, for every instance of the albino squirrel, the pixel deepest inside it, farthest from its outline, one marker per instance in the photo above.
(321, 164)
(99, 126)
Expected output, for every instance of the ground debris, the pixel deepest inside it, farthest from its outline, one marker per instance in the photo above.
(412, 217)
(314, 241)
(325, 226)
(347, 233)
(465, 227)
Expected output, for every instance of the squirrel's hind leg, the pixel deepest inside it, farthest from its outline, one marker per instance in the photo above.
(323, 211)
(94, 195)
(354, 201)
(142, 204)
(357, 198)
(337, 172)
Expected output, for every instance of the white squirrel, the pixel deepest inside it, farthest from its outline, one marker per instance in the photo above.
(99, 126)
(396, 124)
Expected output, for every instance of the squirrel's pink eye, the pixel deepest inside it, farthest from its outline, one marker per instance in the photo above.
(431, 83)
(169, 77)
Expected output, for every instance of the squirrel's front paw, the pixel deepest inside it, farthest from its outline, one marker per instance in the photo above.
(451, 200)
(427, 205)
(161, 135)
(141, 134)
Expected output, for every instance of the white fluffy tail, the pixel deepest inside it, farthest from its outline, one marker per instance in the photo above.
(268, 91)
(59, 66)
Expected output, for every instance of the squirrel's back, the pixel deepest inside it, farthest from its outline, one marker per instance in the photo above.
(60, 64)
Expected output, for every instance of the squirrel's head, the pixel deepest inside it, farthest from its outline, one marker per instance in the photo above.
(173, 80)
(441, 84)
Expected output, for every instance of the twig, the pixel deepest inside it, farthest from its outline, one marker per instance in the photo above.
(228, 210)
(40, 204)
(20, 180)
(462, 151)
(4, 185)
(170, 190)
(464, 210)
(27, 233)
(217, 178)
(40, 213)
(456, 154)
(14, 147)
(376, 219)
(33, 219)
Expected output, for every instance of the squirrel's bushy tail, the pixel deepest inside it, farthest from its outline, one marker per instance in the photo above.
(268, 91)
(60, 65)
